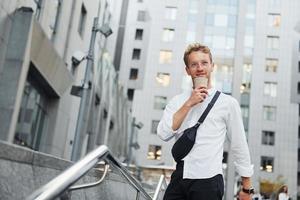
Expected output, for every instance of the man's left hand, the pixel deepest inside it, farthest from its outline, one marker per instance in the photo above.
(244, 196)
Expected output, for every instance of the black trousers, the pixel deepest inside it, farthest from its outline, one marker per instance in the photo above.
(194, 189)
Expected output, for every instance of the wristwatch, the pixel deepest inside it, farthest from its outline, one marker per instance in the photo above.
(248, 191)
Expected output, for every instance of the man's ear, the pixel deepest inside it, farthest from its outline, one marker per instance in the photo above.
(188, 71)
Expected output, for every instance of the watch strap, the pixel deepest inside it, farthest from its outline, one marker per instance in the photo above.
(248, 191)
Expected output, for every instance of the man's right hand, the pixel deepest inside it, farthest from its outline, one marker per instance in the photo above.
(198, 96)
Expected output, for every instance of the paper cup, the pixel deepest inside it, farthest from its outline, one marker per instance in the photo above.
(200, 82)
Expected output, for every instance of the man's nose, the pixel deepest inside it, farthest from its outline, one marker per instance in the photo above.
(200, 67)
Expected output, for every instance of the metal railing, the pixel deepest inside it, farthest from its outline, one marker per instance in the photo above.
(160, 189)
(66, 179)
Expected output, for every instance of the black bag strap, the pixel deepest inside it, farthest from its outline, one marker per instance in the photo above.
(208, 108)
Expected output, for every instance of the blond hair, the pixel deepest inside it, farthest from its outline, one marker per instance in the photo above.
(196, 47)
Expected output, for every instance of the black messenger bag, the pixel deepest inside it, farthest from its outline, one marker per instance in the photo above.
(185, 143)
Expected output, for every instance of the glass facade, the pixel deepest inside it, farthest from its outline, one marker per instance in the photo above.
(32, 120)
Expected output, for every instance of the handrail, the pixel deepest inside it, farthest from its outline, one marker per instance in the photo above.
(88, 185)
(161, 183)
(62, 182)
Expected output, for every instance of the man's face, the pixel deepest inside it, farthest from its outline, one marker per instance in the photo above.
(199, 64)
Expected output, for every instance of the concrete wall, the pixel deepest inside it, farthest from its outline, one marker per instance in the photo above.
(23, 171)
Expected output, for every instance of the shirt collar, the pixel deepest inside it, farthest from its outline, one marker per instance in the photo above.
(211, 91)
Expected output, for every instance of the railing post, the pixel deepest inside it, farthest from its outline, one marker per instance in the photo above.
(137, 195)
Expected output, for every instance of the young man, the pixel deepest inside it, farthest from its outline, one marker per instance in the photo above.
(199, 175)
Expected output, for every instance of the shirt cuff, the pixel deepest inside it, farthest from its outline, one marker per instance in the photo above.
(245, 171)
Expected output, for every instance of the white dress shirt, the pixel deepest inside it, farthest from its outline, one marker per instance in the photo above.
(205, 158)
(283, 196)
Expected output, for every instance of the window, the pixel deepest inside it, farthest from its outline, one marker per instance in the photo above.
(268, 138)
(130, 94)
(271, 65)
(209, 19)
(274, 2)
(141, 16)
(38, 8)
(154, 126)
(133, 74)
(219, 42)
(221, 20)
(160, 102)
(299, 66)
(273, 42)
(274, 20)
(170, 13)
(56, 6)
(249, 41)
(269, 113)
(163, 79)
(245, 111)
(154, 152)
(168, 34)
(136, 54)
(33, 116)
(298, 87)
(165, 56)
(267, 164)
(82, 20)
(139, 34)
(270, 89)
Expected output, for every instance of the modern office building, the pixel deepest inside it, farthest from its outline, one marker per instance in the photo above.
(44, 50)
(295, 91)
(252, 44)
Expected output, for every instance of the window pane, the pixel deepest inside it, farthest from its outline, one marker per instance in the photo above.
(168, 34)
(268, 137)
(219, 42)
(33, 117)
(221, 20)
(136, 54)
(269, 113)
(271, 65)
(267, 164)
(270, 89)
(82, 20)
(274, 20)
(165, 56)
(170, 13)
(139, 34)
(154, 152)
(249, 41)
(273, 42)
(133, 74)
(141, 15)
(154, 125)
(160, 102)
(209, 19)
(163, 79)
(130, 94)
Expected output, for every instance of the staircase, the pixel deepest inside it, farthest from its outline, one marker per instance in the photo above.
(26, 174)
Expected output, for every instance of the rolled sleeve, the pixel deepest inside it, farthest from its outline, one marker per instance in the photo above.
(239, 145)
(164, 128)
